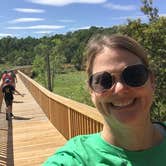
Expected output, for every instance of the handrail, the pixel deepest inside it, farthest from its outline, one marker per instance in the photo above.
(71, 118)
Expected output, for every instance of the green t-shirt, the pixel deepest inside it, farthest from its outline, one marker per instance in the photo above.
(92, 150)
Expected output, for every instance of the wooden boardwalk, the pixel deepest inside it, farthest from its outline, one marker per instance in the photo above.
(29, 138)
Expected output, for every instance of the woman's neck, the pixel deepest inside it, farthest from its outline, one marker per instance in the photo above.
(132, 138)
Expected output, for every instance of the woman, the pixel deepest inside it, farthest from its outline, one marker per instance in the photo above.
(8, 89)
(122, 88)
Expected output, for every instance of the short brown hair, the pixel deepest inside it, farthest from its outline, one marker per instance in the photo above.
(97, 43)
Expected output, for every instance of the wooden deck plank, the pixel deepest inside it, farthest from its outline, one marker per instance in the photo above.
(4, 150)
(32, 137)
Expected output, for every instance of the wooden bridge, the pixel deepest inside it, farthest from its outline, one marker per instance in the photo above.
(43, 122)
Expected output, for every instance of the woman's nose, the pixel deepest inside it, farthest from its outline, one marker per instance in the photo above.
(119, 87)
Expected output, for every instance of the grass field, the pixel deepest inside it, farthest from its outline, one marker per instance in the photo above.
(73, 85)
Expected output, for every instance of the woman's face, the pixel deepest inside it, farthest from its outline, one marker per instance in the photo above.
(122, 103)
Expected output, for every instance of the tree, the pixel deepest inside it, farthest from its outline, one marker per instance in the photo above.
(150, 11)
(42, 52)
(156, 43)
(38, 68)
(57, 59)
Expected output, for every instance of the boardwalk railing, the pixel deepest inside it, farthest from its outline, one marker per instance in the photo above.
(71, 118)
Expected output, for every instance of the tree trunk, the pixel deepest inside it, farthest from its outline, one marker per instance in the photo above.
(48, 72)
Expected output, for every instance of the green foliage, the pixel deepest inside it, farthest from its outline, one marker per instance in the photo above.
(156, 44)
(39, 69)
(17, 51)
(57, 59)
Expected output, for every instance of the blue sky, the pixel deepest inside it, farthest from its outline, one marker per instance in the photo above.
(36, 18)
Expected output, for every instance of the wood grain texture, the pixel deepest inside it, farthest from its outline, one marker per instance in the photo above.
(30, 138)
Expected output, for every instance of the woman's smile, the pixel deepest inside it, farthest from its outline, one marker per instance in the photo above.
(122, 104)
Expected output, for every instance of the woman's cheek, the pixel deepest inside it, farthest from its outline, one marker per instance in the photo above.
(98, 100)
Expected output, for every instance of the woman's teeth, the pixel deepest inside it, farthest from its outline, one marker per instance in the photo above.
(122, 104)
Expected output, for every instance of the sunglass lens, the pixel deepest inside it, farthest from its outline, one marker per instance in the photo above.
(100, 82)
(135, 75)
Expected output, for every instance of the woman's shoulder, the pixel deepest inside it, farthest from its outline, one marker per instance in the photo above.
(83, 139)
(73, 152)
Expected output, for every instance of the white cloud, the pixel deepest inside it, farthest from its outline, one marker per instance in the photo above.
(66, 21)
(39, 27)
(27, 10)
(162, 14)
(119, 7)
(5, 35)
(19, 20)
(128, 17)
(43, 32)
(80, 28)
(86, 27)
(64, 2)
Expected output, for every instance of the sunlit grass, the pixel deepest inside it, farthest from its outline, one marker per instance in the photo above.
(72, 85)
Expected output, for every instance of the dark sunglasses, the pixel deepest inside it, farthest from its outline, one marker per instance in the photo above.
(134, 76)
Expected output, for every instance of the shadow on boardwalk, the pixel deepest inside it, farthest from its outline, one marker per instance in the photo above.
(6, 140)
(20, 139)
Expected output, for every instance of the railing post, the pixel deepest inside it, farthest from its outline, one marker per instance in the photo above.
(49, 108)
(69, 121)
